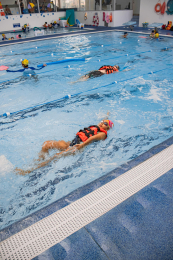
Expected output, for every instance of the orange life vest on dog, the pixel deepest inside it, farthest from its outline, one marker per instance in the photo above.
(109, 69)
(90, 131)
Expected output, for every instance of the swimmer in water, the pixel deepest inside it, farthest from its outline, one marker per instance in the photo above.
(156, 35)
(152, 35)
(4, 37)
(105, 69)
(25, 66)
(125, 35)
(83, 138)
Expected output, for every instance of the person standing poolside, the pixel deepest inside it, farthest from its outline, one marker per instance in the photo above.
(25, 66)
(50, 6)
(7, 10)
(83, 138)
(21, 6)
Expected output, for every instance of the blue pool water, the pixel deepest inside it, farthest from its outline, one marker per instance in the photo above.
(140, 105)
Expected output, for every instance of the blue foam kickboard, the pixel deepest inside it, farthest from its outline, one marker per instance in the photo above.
(129, 23)
(155, 24)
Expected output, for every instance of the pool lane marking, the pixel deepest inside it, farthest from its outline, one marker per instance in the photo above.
(42, 235)
(6, 114)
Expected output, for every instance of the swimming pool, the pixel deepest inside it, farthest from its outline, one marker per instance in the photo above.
(140, 105)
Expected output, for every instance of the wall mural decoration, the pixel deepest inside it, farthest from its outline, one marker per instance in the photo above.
(160, 8)
(169, 7)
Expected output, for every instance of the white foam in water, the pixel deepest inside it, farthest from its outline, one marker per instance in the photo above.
(154, 94)
(121, 122)
(104, 165)
(5, 165)
(101, 115)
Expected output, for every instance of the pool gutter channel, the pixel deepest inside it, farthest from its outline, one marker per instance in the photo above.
(76, 213)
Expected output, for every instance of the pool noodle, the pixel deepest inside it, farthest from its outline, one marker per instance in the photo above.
(37, 28)
(61, 61)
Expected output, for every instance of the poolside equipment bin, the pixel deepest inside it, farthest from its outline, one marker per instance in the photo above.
(81, 25)
(63, 23)
(39, 33)
(145, 25)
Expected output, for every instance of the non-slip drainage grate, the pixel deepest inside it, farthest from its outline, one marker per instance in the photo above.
(37, 238)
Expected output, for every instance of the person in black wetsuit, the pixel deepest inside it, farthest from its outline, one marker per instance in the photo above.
(26, 68)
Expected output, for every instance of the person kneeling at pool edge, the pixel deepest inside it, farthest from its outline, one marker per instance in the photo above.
(25, 66)
(83, 138)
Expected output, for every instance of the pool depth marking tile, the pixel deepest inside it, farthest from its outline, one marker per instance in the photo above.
(42, 235)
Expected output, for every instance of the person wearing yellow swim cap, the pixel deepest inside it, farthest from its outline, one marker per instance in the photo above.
(4, 37)
(25, 66)
(25, 62)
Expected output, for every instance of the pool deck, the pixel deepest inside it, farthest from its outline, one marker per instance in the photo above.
(88, 29)
(139, 226)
